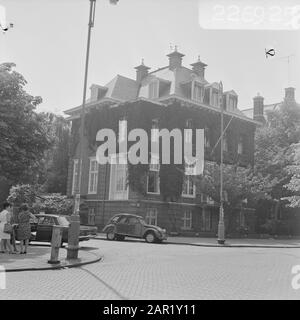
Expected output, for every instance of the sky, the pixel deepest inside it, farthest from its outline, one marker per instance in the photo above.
(48, 45)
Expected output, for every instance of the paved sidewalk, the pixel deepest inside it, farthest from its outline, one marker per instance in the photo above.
(212, 242)
(37, 259)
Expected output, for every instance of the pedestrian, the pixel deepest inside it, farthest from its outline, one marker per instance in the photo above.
(5, 228)
(14, 223)
(24, 227)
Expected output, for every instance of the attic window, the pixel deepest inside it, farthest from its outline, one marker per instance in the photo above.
(100, 93)
(198, 92)
(231, 103)
(153, 90)
(214, 98)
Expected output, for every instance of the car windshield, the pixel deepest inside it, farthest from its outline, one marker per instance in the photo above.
(142, 221)
(63, 221)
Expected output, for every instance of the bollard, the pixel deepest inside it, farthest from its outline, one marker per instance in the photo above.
(55, 244)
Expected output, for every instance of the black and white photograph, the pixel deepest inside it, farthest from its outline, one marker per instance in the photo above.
(149, 153)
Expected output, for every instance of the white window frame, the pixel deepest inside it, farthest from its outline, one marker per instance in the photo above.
(93, 177)
(75, 175)
(225, 143)
(189, 179)
(122, 130)
(198, 92)
(206, 138)
(240, 147)
(187, 219)
(113, 193)
(154, 130)
(153, 89)
(214, 98)
(154, 167)
(151, 214)
(188, 135)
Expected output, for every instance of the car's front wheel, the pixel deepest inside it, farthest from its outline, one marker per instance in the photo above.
(150, 237)
(110, 234)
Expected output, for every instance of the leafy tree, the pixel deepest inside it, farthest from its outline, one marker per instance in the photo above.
(54, 203)
(56, 160)
(24, 134)
(274, 156)
(294, 183)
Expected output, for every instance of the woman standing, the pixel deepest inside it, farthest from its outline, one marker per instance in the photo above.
(5, 217)
(24, 227)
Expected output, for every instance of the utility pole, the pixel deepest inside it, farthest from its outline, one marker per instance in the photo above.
(74, 228)
(221, 225)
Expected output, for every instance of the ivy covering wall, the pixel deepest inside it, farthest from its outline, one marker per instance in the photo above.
(140, 114)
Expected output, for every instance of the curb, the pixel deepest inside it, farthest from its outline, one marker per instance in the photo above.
(235, 245)
(59, 266)
(225, 245)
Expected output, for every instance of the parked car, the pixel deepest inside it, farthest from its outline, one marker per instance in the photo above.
(130, 225)
(42, 229)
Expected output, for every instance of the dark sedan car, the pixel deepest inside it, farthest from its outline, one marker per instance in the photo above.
(130, 225)
(42, 228)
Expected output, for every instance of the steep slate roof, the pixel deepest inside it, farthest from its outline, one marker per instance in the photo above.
(174, 82)
(121, 88)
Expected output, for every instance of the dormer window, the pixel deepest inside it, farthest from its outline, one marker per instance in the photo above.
(231, 103)
(214, 98)
(198, 92)
(153, 90)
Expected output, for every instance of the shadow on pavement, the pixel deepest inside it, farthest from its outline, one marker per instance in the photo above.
(31, 254)
(105, 284)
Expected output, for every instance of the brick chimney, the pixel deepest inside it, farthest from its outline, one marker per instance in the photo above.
(141, 71)
(258, 108)
(175, 59)
(199, 67)
(289, 94)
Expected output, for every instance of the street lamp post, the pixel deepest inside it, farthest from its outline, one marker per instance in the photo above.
(221, 225)
(74, 228)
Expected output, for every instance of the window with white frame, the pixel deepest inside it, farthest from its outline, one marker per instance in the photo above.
(198, 92)
(118, 181)
(151, 216)
(75, 182)
(189, 187)
(206, 138)
(232, 103)
(214, 98)
(93, 176)
(153, 175)
(153, 90)
(155, 131)
(188, 134)
(241, 145)
(187, 219)
(122, 129)
(225, 144)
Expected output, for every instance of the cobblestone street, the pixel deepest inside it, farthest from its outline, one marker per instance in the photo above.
(137, 270)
